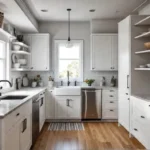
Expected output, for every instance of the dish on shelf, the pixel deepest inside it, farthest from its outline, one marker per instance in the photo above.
(16, 65)
(148, 65)
(22, 61)
(142, 66)
(16, 47)
(147, 45)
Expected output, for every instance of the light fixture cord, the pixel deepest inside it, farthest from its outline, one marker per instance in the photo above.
(69, 26)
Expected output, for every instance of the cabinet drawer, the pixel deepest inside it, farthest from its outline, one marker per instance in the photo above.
(16, 115)
(141, 133)
(110, 114)
(109, 104)
(107, 95)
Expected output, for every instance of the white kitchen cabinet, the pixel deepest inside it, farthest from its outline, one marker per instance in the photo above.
(39, 47)
(67, 107)
(11, 139)
(110, 104)
(124, 72)
(140, 120)
(25, 133)
(50, 104)
(104, 51)
(42, 111)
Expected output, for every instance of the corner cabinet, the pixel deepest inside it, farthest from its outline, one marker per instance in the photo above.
(104, 52)
(39, 47)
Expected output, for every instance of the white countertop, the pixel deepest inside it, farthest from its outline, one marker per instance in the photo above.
(142, 97)
(7, 106)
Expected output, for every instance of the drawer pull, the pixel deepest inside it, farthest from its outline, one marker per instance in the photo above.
(143, 117)
(18, 114)
(111, 102)
(111, 110)
(127, 94)
(128, 98)
(111, 96)
(135, 129)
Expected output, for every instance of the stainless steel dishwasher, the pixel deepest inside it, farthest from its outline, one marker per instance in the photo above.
(35, 118)
(91, 104)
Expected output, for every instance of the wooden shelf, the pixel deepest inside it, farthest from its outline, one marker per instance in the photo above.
(145, 21)
(144, 69)
(7, 34)
(20, 69)
(142, 52)
(146, 34)
(21, 52)
(21, 44)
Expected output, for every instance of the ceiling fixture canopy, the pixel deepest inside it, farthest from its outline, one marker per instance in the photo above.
(69, 43)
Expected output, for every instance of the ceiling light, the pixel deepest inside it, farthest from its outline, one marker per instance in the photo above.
(44, 10)
(92, 10)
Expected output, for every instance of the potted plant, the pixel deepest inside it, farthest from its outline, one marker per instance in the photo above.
(39, 80)
(89, 81)
(50, 82)
(34, 82)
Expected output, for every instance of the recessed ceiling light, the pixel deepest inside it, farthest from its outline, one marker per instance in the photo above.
(44, 10)
(92, 10)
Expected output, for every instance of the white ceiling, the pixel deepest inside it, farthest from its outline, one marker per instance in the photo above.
(105, 9)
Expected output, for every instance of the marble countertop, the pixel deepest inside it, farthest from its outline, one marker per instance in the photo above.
(7, 106)
(142, 97)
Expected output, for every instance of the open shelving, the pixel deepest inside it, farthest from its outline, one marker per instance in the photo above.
(145, 21)
(144, 69)
(7, 34)
(21, 44)
(145, 34)
(20, 69)
(142, 52)
(21, 52)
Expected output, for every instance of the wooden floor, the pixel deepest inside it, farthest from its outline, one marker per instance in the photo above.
(96, 136)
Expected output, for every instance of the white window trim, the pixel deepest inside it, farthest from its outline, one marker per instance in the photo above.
(57, 42)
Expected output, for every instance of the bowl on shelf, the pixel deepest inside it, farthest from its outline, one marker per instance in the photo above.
(16, 65)
(148, 65)
(142, 66)
(22, 61)
(147, 45)
(16, 47)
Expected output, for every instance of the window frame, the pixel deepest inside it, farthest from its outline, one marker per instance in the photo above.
(57, 42)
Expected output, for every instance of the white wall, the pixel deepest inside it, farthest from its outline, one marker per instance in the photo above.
(145, 10)
(79, 30)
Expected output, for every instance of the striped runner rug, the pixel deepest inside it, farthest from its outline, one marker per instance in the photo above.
(66, 127)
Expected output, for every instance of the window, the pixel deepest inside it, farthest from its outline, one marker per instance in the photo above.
(70, 59)
(3, 63)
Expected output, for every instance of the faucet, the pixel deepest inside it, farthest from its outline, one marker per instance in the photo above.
(68, 83)
(7, 82)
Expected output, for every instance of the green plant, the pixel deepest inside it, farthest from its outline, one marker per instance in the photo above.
(89, 81)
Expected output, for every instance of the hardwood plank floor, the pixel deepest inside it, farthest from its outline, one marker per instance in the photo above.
(96, 136)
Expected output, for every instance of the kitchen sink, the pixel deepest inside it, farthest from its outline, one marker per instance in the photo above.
(14, 97)
(68, 90)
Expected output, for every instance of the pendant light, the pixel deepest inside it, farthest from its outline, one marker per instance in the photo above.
(69, 43)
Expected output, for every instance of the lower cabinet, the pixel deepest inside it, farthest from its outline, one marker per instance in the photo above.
(140, 120)
(18, 133)
(110, 104)
(68, 107)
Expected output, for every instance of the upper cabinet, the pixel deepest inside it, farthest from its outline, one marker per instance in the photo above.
(40, 55)
(104, 52)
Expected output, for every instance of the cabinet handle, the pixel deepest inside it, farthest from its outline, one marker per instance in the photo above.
(111, 90)
(127, 94)
(127, 81)
(128, 98)
(41, 102)
(111, 110)
(24, 124)
(18, 114)
(111, 102)
(67, 102)
(135, 129)
(111, 96)
(143, 117)
(31, 67)
(93, 68)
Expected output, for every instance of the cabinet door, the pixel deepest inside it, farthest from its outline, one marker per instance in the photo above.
(114, 52)
(74, 107)
(124, 110)
(11, 140)
(101, 52)
(42, 112)
(40, 52)
(61, 109)
(50, 105)
(26, 133)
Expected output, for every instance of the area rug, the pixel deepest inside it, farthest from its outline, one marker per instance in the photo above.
(66, 127)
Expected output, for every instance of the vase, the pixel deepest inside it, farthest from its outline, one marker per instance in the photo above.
(89, 84)
(34, 84)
